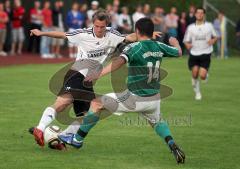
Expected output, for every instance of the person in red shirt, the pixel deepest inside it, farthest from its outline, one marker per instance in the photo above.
(17, 31)
(3, 21)
(47, 26)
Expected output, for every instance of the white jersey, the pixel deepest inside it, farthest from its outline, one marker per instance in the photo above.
(94, 48)
(198, 36)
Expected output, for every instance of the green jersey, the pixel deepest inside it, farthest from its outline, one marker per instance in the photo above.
(144, 59)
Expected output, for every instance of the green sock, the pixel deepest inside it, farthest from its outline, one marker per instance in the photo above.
(89, 121)
(163, 131)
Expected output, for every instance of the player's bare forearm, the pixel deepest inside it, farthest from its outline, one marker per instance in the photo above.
(53, 34)
(114, 65)
(131, 37)
(212, 41)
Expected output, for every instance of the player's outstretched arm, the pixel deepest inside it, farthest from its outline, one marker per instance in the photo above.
(114, 65)
(174, 42)
(52, 34)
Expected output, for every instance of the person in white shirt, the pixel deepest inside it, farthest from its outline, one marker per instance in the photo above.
(199, 39)
(124, 21)
(94, 47)
(138, 14)
(114, 17)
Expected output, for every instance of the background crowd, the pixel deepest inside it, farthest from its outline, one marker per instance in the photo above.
(49, 17)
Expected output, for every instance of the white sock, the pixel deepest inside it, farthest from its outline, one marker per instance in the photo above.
(196, 85)
(194, 81)
(72, 128)
(47, 118)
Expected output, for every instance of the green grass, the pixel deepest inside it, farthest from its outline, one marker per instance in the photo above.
(210, 140)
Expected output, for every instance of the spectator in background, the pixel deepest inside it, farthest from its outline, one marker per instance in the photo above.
(238, 34)
(17, 28)
(182, 27)
(47, 26)
(8, 39)
(114, 17)
(138, 14)
(125, 25)
(158, 19)
(171, 21)
(57, 19)
(35, 23)
(147, 10)
(74, 20)
(3, 21)
(109, 9)
(116, 2)
(191, 15)
(83, 12)
(220, 26)
(90, 12)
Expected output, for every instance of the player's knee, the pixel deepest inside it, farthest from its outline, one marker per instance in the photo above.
(203, 77)
(195, 74)
(61, 103)
(96, 105)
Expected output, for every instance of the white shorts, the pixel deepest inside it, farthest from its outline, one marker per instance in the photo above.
(126, 101)
(57, 41)
(18, 35)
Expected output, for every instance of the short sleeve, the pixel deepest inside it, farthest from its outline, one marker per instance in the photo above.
(116, 36)
(75, 36)
(213, 31)
(187, 37)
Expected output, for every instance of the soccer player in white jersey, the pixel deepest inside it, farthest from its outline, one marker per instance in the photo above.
(94, 45)
(199, 39)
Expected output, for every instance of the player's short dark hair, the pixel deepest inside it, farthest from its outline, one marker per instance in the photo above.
(101, 15)
(201, 8)
(145, 26)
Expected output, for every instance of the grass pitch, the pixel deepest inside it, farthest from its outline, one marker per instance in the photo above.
(207, 130)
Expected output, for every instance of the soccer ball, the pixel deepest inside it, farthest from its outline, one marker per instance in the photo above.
(51, 135)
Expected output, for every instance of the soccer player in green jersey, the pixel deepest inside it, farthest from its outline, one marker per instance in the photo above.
(143, 93)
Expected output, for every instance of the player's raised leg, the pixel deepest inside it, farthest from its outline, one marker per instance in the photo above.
(49, 115)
